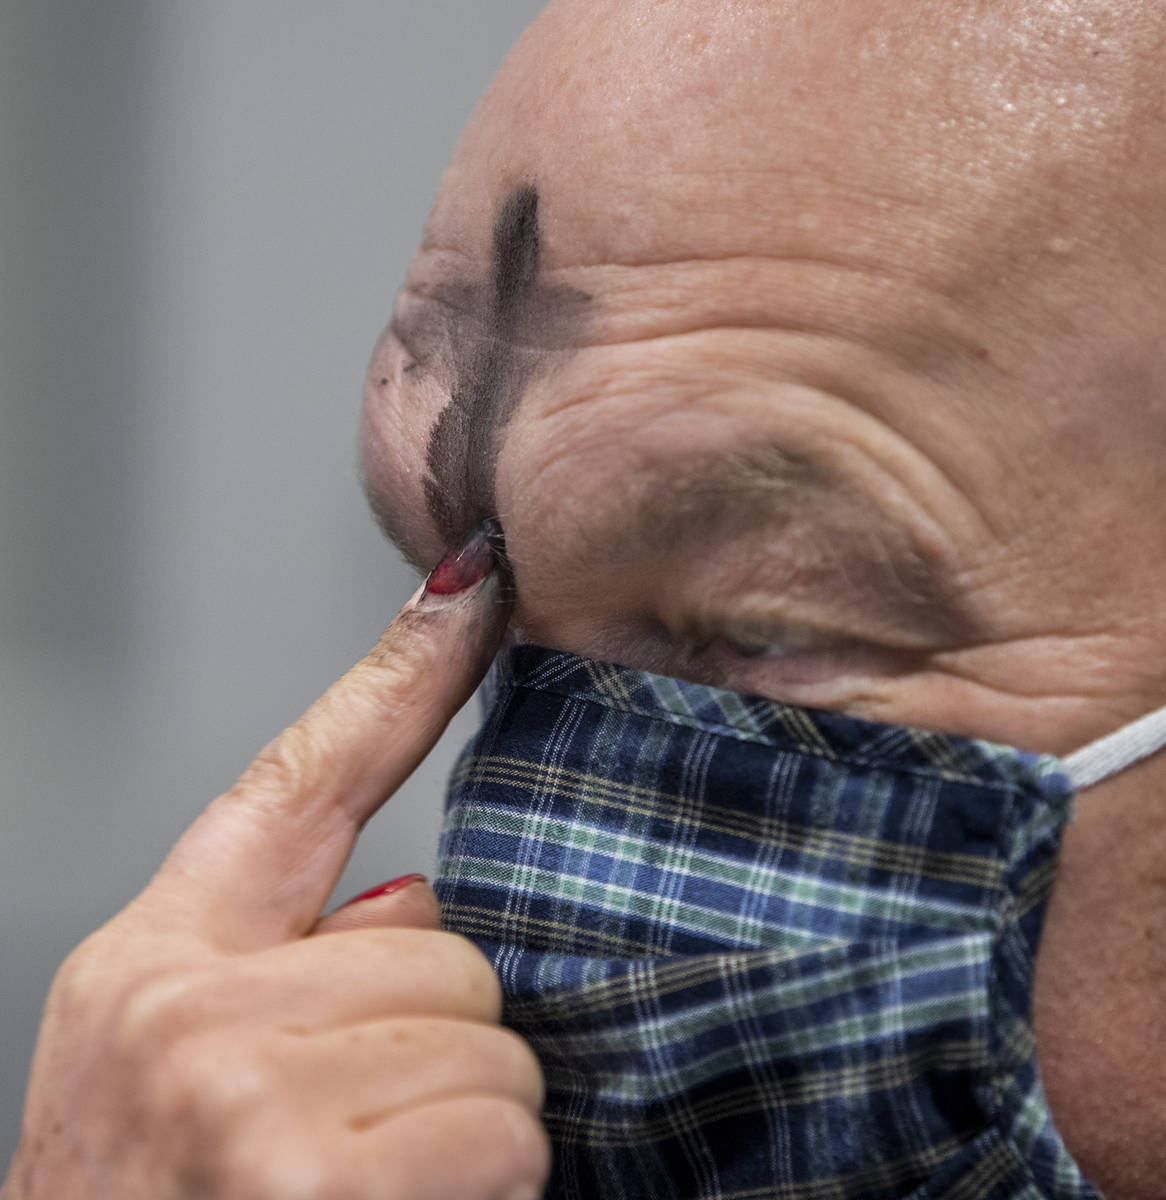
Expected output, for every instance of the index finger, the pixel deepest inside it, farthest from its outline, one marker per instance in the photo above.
(257, 866)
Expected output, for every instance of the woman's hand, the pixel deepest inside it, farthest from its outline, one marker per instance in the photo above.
(216, 1039)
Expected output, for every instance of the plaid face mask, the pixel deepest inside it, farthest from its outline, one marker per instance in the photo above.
(761, 951)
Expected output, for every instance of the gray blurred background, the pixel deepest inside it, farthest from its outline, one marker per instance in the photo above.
(206, 207)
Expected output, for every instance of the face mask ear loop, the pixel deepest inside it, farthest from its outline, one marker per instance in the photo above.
(1117, 750)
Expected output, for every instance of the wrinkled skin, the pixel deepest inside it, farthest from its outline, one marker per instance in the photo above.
(919, 252)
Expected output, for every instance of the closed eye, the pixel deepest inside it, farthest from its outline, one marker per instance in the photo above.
(794, 664)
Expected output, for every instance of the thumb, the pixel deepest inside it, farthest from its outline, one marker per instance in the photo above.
(405, 903)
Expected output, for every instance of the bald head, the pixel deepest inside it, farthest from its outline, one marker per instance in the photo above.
(916, 251)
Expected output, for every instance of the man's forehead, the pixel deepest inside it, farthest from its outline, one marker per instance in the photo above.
(877, 132)
(674, 194)
(659, 129)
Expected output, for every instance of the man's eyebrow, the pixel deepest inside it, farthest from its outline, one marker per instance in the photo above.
(766, 489)
(767, 472)
(694, 499)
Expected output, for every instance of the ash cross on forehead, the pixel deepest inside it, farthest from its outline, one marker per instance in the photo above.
(500, 334)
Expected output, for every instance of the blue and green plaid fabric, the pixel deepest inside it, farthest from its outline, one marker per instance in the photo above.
(760, 951)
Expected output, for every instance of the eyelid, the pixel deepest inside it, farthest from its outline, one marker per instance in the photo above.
(788, 637)
(819, 625)
(764, 648)
(824, 674)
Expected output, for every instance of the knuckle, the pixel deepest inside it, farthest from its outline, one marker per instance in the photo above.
(78, 975)
(477, 1145)
(167, 1036)
(503, 1063)
(521, 1068)
(279, 767)
(92, 967)
(450, 968)
(286, 1167)
(206, 1083)
(160, 1006)
(475, 975)
(527, 1147)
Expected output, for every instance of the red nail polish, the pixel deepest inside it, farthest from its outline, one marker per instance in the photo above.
(385, 889)
(466, 564)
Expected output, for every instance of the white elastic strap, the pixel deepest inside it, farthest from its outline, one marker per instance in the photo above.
(1117, 750)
